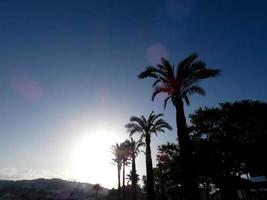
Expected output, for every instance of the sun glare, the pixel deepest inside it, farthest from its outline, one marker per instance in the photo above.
(92, 157)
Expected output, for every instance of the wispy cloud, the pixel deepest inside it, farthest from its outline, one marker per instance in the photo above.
(15, 174)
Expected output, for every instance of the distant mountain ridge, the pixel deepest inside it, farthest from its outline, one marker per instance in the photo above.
(47, 189)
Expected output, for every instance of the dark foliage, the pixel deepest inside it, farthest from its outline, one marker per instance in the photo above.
(231, 138)
(228, 141)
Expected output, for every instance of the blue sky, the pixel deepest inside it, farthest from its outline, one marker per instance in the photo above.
(71, 66)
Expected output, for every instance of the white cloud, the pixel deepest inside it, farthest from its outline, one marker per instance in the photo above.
(8, 173)
(15, 174)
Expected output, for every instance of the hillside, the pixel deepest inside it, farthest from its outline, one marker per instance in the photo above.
(50, 189)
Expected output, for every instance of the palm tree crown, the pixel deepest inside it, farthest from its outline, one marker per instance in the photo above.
(181, 83)
(117, 153)
(153, 124)
(134, 147)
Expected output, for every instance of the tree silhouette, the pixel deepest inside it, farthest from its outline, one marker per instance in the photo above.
(133, 147)
(146, 127)
(97, 188)
(179, 85)
(131, 176)
(125, 153)
(117, 153)
(168, 171)
(235, 133)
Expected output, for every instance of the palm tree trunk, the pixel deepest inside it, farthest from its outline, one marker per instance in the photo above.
(149, 171)
(96, 193)
(123, 181)
(161, 184)
(134, 181)
(189, 177)
(119, 183)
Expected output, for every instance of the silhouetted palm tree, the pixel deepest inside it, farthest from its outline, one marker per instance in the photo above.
(97, 188)
(179, 84)
(117, 153)
(146, 127)
(133, 147)
(125, 153)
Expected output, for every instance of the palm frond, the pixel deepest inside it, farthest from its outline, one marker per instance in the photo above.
(139, 144)
(135, 130)
(159, 126)
(183, 66)
(144, 120)
(154, 117)
(207, 73)
(136, 125)
(158, 90)
(156, 82)
(182, 84)
(138, 120)
(185, 97)
(162, 69)
(148, 72)
(134, 146)
(164, 125)
(166, 101)
(168, 67)
(116, 151)
(197, 66)
(196, 90)
(142, 136)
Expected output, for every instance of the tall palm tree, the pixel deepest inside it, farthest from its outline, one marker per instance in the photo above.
(134, 150)
(125, 153)
(117, 153)
(146, 127)
(179, 85)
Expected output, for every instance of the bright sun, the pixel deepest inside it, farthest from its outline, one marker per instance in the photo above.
(92, 157)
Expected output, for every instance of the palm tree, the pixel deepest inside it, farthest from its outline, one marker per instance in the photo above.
(179, 85)
(97, 188)
(134, 150)
(146, 127)
(117, 153)
(125, 153)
